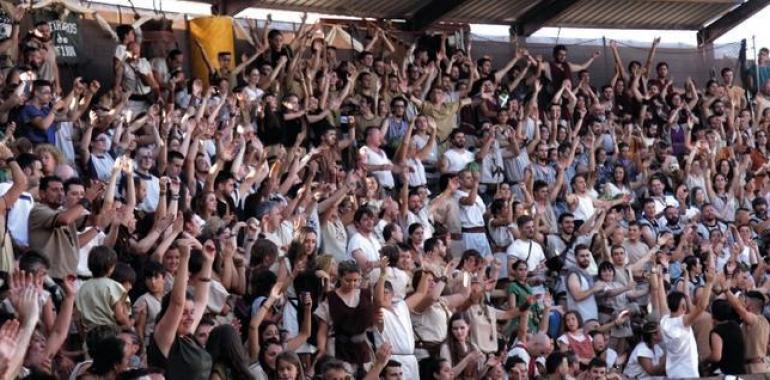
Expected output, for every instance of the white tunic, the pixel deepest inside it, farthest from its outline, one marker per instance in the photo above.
(457, 160)
(473, 215)
(397, 330)
(384, 177)
(369, 246)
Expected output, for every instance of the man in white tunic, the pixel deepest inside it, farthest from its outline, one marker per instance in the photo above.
(394, 325)
(456, 157)
(377, 161)
(472, 209)
(363, 245)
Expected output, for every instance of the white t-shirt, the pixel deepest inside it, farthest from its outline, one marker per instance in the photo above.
(457, 160)
(17, 217)
(531, 251)
(384, 177)
(681, 348)
(369, 246)
(634, 370)
(253, 94)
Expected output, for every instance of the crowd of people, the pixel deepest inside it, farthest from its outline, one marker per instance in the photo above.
(420, 213)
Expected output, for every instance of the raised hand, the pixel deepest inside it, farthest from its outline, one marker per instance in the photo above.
(383, 353)
(9, 337)
(26, 304)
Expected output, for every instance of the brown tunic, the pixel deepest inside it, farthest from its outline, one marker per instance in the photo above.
(350, 324)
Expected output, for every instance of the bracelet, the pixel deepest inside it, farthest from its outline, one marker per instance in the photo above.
(205, 279)
(162, 194)
(174, 197)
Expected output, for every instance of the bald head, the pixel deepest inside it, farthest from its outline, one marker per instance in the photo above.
(65, 172)
(540, 344)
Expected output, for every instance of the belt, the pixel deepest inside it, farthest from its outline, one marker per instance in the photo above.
(359, 338)
(756, 360)
(474, 230)
(140, 98)
(499, 248)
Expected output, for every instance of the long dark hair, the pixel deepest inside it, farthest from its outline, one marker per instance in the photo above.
(456, 352)
(225, 348)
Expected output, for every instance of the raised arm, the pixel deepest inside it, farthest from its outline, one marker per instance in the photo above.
(651, 55)
(703, 301)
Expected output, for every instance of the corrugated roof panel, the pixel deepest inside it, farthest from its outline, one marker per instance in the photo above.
(494, 11)
(637, 14)
(379, 9)
(644, 14)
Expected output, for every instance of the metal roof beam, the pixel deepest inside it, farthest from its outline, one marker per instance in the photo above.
(431, 13)
(230, 7)
(716, 29)
(537, 16)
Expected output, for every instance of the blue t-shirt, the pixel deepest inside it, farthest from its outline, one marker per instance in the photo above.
(35, 134)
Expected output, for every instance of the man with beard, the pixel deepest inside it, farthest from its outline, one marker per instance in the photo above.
(562, 243)
(709, 222)
(52, 230)
(415, 208)
(559, 70)
(527, 249)
(40, 38)
(456, 157)
(540, 167)
(581, 287)
(670, 222)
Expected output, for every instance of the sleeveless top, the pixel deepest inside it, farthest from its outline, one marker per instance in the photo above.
(350, 324)
(677, 141)
(733, 350)
(186, 359)
(559, 74)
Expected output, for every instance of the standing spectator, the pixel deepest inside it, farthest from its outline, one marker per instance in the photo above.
(53, 231)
